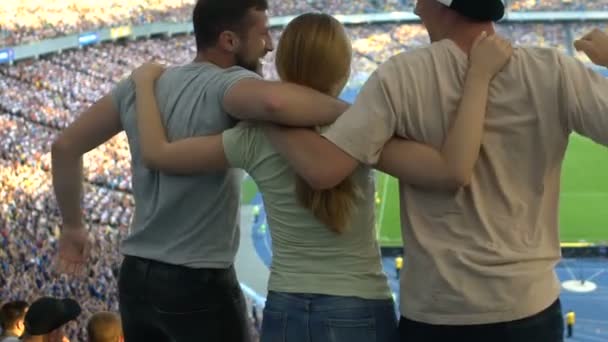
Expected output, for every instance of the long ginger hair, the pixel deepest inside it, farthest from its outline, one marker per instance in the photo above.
(315, 51)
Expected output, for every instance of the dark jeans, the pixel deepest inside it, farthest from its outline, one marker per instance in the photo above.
(546, 326)
(162, 302)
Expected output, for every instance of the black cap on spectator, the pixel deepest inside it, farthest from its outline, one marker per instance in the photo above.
(480, 10)
(48, 314)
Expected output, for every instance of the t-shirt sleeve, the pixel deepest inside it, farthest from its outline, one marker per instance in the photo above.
(231, 76)
(585, 96)
(240, 143)
(121, 91)
(368, 124)
(123, 94)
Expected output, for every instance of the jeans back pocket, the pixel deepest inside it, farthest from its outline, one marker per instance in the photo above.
(351, 330)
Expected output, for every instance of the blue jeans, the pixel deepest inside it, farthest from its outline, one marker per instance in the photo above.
(321, 318)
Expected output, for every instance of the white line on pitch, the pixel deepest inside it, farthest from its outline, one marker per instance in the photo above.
(384, 195)
(595, 275)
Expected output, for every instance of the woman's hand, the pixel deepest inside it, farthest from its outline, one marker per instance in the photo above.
(489, 54)
(147, 73)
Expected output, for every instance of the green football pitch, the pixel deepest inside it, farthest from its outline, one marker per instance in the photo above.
(583, 202)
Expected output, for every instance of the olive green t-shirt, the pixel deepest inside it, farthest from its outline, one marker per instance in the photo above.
(307, 256)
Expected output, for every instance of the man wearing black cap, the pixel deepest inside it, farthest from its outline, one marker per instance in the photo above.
(481, 259)
(46, 317)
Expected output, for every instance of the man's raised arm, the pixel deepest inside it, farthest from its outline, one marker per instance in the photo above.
(584, 96)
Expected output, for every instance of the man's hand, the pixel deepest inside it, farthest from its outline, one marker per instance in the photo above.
(595, 45)
(73, 251)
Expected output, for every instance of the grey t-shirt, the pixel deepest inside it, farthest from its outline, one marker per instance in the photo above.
(184, 220)
(9, 339)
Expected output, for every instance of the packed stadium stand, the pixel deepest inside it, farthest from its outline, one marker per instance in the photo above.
(27, 21)
(40, 97)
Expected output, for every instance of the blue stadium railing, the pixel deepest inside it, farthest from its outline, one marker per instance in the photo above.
(34, 50)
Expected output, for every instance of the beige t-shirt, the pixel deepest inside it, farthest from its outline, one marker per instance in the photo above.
(307, 256)
(487, 253)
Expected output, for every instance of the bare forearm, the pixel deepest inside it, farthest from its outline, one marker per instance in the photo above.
(322, 164)
(190, 156)
(461, 147)
(452, 166)
(281, 103)
(303, 107)
(416, 164)
(152, 136)
(67, 184)
(290, 143)
(186, 156)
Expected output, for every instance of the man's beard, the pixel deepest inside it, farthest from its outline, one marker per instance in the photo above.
(254, 66)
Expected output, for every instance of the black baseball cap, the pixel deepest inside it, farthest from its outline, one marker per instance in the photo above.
(48, 314)
(479, 10)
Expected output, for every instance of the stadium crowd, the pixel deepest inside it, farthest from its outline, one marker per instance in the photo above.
(27, 21)
(23, 22)
(558, 5)
(40, 97)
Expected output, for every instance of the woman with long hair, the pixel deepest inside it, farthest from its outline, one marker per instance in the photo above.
(326, 279)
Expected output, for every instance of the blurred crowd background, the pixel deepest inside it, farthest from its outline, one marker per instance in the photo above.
(27, 21)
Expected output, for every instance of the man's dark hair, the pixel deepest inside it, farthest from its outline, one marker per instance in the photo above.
(212, 17)
(12, 312)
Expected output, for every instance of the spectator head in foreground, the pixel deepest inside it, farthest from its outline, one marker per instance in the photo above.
(235, 32)
(105, 327)
(442, 17)
(12, 318)
(47, 316)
